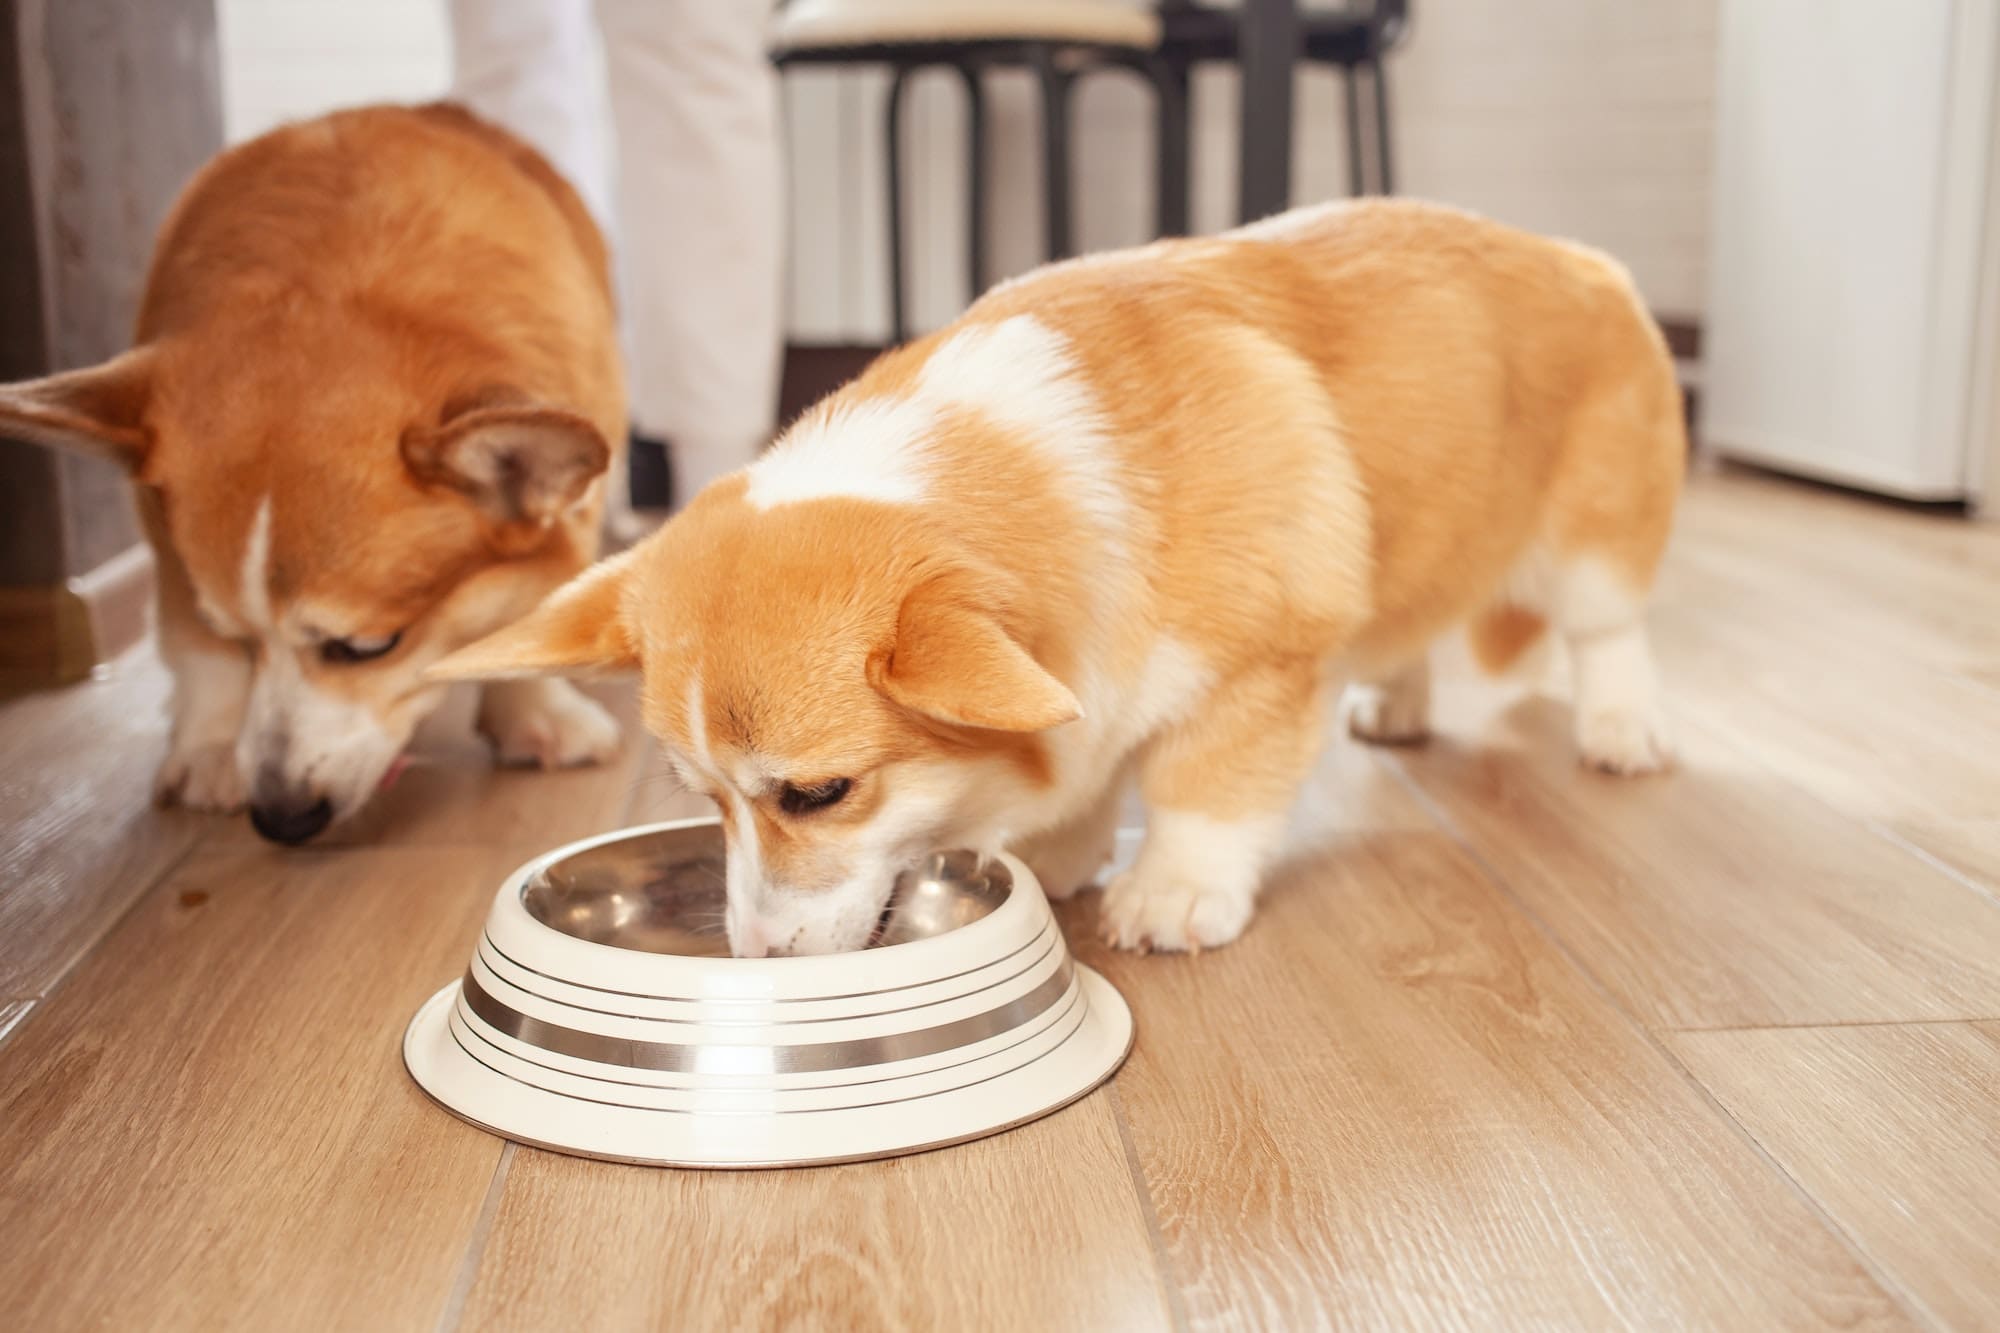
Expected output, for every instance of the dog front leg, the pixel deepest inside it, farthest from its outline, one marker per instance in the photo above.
(211, 688)
(1218, 788)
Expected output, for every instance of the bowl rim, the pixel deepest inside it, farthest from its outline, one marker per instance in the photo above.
(884, 969)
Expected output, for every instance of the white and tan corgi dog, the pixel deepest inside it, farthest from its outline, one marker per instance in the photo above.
(375, 388)
(1129, 518)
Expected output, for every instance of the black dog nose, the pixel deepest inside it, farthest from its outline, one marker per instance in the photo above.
(291, 823)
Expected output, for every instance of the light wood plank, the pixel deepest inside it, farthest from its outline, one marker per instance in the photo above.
(1393, 1105)
(219, 1092)
(1040, 1228)
(1841, 709)
(1847, 644)
(79, 836)
(1849, 561)
(1894, 1130)
(1717, 895)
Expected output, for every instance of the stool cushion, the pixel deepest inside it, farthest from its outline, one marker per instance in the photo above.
(811, 24)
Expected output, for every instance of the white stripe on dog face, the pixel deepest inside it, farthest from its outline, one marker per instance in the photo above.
(697, 716)
(743, 879)
(743, 867)
(254, 598)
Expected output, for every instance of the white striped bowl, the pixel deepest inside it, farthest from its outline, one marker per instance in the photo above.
(591, 1021)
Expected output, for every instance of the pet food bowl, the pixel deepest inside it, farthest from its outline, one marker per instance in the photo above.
(602, 1015)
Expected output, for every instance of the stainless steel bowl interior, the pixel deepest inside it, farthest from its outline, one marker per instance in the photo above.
(662, 892)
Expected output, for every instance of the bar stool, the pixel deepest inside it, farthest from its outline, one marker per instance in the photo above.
(1354, 37)
(1056, 40)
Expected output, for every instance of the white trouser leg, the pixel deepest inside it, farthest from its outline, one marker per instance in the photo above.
(695, 103)
(533, 68)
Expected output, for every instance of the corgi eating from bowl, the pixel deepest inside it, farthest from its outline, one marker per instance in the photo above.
(375, 390)
(1130, 519)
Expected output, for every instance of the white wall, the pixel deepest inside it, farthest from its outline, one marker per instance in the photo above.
(283, 59)
(1589, 118)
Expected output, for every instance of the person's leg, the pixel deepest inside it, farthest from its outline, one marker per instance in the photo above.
(695, 104)
(531, 67)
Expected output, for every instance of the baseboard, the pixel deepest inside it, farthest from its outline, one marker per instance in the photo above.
(56, 635)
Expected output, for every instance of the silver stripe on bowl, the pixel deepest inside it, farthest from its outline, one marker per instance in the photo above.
(1068, 1019)
(801, 1058)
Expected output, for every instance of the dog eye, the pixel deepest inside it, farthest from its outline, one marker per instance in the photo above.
(345, 652)
(804, 800)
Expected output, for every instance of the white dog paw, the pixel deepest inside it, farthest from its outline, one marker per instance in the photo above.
(201, 776)
(1628, 741)
(548, 727)
(1169, 914)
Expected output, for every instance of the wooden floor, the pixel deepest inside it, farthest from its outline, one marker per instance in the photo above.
(1509, 1044)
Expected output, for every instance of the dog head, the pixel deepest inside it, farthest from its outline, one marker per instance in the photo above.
(336, 518)
(375, 378)
(849, 687)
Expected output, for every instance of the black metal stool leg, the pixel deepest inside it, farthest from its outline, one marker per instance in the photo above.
(1385, 176)
(1357, 165)
(1055, 148)
(893, 129)
(975, 172)
(1171, 178)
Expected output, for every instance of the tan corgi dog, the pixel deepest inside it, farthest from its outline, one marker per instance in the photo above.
(1129, 519)
(375, 390)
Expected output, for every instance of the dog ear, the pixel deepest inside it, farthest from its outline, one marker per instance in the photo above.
(579, 630)
(954, 663)
(99, 410)
(521, 462)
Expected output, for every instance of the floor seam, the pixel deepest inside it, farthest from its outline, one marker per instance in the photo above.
(1894, 1290)
(1163, 1264)
(1975, 883)
(1833, 1026)
(1892, 1287)
(475, 1244)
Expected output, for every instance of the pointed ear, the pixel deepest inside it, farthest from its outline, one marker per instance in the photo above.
(521, 462)
(100, 410)
(953, 663)
(578, 630)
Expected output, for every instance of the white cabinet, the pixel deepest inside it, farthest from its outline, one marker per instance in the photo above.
(1854, 282)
